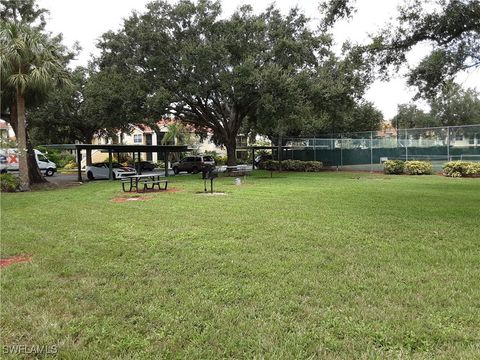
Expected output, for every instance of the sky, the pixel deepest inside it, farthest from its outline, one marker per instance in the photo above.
(86, 20)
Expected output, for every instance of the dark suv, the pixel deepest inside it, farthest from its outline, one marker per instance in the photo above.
(193, 164)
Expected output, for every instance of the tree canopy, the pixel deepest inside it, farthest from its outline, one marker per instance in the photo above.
(453, 106)
(266, 72)
(450, 27)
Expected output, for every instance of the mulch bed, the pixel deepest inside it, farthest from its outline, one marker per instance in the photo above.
(14, 259)
(141, 196)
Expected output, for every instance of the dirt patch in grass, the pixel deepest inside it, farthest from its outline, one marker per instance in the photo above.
(210, 193)
(14, 259)
(132, 198)
(142, 196)
(156, 191)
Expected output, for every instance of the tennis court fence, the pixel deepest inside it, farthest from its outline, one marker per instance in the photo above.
(368, 150)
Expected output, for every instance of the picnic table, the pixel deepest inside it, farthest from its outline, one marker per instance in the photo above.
(145, 181)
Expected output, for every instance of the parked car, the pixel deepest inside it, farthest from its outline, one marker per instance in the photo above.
(145, 165)
(9, 162)
(101, 171)
(193, 164)
(261, 158)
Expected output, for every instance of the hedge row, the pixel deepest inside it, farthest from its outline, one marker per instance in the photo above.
(407, 167)
(461, 169)
(451, 169)
(292, 165)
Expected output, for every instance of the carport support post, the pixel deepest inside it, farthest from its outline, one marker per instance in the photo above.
(166, 162)
(139, 165)
(253, 159)
(89, 157)
(110, 169)
(79, 165)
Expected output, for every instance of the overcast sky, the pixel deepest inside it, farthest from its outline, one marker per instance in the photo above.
(86, 20)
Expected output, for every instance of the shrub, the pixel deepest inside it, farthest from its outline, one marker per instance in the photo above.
(220, 160)
(292, 165)
(393, 167)
(418, 168)
(270, 165)
(313, 166)
(72, 164)
(9, 183)
(461, 169)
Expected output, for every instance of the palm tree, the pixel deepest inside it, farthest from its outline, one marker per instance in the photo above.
(177, 134)
(29, 62)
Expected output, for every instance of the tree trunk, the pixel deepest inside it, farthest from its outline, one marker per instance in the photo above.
(231, 152)
(35, 175)
(22, 143)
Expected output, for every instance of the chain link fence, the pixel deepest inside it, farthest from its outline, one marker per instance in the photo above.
(368, 150)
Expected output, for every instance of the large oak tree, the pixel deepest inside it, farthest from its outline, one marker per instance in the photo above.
(260, 71)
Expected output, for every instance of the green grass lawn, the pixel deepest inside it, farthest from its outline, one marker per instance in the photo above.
(329, 265)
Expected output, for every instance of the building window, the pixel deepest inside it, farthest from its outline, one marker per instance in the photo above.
(137, 138)
(459, 138)
(471, 139)
(241, 140)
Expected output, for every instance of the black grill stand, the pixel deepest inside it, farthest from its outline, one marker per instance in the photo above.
(209, 173)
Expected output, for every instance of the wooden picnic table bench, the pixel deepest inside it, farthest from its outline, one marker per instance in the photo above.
(148, 181)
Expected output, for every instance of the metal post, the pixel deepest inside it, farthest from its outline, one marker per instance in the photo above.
(371, 151)
(253, 159)
(341, 151)
(314, 149)
(89, 157)
(166, 163)
(139, 165)
(448, 143)
(79, 165)
(280, 155)
(406, 145)
(110, 168)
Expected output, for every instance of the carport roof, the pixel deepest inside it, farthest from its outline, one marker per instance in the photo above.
(121, 147)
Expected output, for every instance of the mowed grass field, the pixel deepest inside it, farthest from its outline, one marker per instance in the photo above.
(298, 266)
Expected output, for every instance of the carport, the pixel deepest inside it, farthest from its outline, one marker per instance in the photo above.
(119, 149)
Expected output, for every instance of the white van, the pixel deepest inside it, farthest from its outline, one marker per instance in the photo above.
(9, 162)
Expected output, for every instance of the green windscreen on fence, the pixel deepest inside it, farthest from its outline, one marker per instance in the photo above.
(437, 145)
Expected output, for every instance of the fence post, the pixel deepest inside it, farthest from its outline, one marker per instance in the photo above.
(448, 143)
(314, 149)
(341, 151)
(371, 151)
(406, 144)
